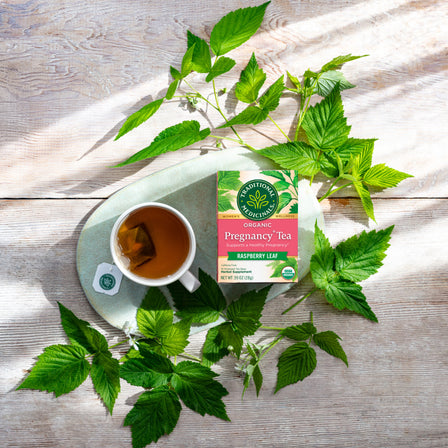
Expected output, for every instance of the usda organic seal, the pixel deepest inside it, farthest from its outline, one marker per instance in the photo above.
(257, 200)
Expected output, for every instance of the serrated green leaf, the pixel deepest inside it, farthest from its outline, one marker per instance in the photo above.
(151, 370)
(338, 61)
(296, 363)
(105, 373)
(131, 354)
(245, 313)
(271, 98)
(80, 332)
(139, 117)
(187, 61)
(203, 305)
(299, 332)
(366, 200)
(344, 294)
(236, 28)
(250, 115)
(59, 369)
(214, 348)
(328, 164)
(253, 372)
(222, 65)
(325, 125)
(155, 414)
(383, 177)
(363, 161)
(171, 139)
(172, 89)
(329, 342)
(154, 316)
(224, 201)
(176, 340)
(251, 80)
(232, 340)
(358, 257)
(294, 208)
(327, 81)
(322, 261)
(198, 390)
(201, 60)
(229, 180)
(294, 156)
(353, 147)
(283, 200)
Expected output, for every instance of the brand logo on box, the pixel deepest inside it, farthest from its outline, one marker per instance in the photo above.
(257, 200)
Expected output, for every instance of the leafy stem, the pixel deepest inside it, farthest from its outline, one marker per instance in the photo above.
(331, 191)
(279, 128)
(300, 300)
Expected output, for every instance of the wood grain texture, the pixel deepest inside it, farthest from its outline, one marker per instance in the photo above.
(71, 71)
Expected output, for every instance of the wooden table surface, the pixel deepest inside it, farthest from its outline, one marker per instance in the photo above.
(71, 71)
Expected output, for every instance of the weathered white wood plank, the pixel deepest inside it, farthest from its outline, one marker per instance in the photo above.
(71, 73)
(393, 393)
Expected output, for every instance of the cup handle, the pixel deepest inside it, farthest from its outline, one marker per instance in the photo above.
(190, 282)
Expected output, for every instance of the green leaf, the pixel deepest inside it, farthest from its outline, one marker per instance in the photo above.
(172, 89)
(151, 370)
(353, 146)
(338, 61)
(296, 363)
(236, 28)
(201, 61)
(253, 370)
(283, 200)
(155, 414)
(327, 81)
(229, 180)
(250, 115)
(187, 61)
(232, 340)
(322, 261)
(294, 208)
(203, 305)
(171, 139)
(363, 161)
(154, 316)
(294, 156)
(299, 332)
(224, 202)
(325, 125)
(198, 390)
(294, 80)
(131, 354)
(366, 200)
(175, 73)
(276, 174)
(221, 65)
(282, 185)
(80, 332)
(139, 117)
(344, 294)
(176, 340)
(245, 313)
(105, 373)
(59, 369)
(251, 80)
(384, 177)
(329, 342)
(271, 98)
(214, 348)
(358, 257)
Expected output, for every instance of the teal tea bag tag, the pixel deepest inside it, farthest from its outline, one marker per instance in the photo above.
(107, 279)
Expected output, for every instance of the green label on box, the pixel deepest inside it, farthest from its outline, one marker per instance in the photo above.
(258, 256)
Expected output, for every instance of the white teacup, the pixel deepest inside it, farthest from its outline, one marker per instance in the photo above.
(182, 274)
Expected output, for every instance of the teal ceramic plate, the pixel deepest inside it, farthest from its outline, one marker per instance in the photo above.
(191, 188)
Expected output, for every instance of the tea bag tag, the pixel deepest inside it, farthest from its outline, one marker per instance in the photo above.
(107, 279)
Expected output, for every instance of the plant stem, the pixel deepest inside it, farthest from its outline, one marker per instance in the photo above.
(117, 344)
(263, 327)
(188, 356)
(241, 142)
(301, 300)
(200, 95)
(218, 108)
(329, 192)
(279, 128)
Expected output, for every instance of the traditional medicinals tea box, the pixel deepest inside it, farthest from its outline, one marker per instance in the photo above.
(257, 226)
